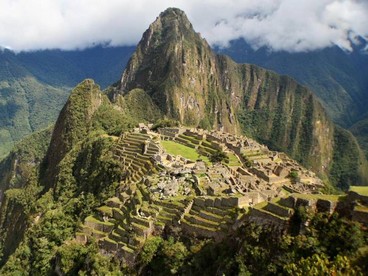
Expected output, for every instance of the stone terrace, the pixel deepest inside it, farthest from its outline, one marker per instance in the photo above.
(161, 190)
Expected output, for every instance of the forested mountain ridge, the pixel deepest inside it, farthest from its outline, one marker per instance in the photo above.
(26, 104)
(35, 85)
(159, 198)
(337, 77)
(188, 82)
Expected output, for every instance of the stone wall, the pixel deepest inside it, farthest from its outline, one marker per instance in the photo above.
(353, 196)
(279, 210)
(223, 202)
(324, 205)
(360, 216)
(196, 135)
(99, 226)
(262, 217)
(308, 203)
(288, 202)
(196, 231)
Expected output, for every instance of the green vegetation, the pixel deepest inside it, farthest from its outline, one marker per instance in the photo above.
(348, 166)
(27, 154)
(218, 157)
(164, 257)
(330, 245)
(362, 190)
(320, 196)
(48, 194)
(360, 131)
(138, 104)
(112, 121)
(35, 85)
(88, 176)
(294, 176)
(165, 123)
(26, 105)
(335, 77)
(233, 160)
(184, 151)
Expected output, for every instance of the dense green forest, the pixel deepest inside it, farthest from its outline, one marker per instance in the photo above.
(34, 86)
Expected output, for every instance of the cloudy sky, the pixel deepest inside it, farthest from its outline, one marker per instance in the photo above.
(291, 25)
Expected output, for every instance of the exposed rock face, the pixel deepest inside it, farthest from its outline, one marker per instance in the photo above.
(177, 68)
(190, 83)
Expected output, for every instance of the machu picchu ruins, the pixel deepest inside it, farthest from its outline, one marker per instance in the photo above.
(171, 182)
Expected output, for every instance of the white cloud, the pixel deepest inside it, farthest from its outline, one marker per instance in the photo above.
(291, 25)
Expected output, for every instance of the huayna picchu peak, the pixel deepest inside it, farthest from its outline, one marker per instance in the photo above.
(188, 82)
(190, 164)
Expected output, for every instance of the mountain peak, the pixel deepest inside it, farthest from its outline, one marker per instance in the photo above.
(168, 57)
(173, 12)
(172, 19)
(172, 25)
(186, 81)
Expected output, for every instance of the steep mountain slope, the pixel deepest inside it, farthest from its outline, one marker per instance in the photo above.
(18, 187)
(337, 77)
(189, 83)
(360, 130)
(75, 171)
(34, 85)
(26, 104)
(86, 110)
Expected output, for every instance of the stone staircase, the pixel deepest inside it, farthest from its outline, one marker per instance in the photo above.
(208, 221)
(123, 224)
(276, 213)
(135, 151)
(203, 146)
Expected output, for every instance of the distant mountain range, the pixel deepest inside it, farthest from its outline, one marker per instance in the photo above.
(337, 77)
(35, 85)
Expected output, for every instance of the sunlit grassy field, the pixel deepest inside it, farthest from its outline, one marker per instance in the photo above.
(362, 190)
(233, 160)
(184, 151)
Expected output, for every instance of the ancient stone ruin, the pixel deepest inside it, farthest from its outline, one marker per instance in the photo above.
(201, 198)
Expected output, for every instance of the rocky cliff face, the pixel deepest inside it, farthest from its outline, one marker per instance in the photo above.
(177, 68)
(189, 83)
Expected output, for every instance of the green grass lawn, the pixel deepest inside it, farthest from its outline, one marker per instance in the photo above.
(178, 149)
(105, 209)
(362, 190)
(93, 219)
(361, 209)
(233, 160)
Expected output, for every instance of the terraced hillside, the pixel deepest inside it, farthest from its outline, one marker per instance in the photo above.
(169, 181)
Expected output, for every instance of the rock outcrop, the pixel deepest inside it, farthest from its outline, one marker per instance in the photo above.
(189, 83)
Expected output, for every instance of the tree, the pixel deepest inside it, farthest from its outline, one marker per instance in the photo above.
(294, 176)
(219, 156)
